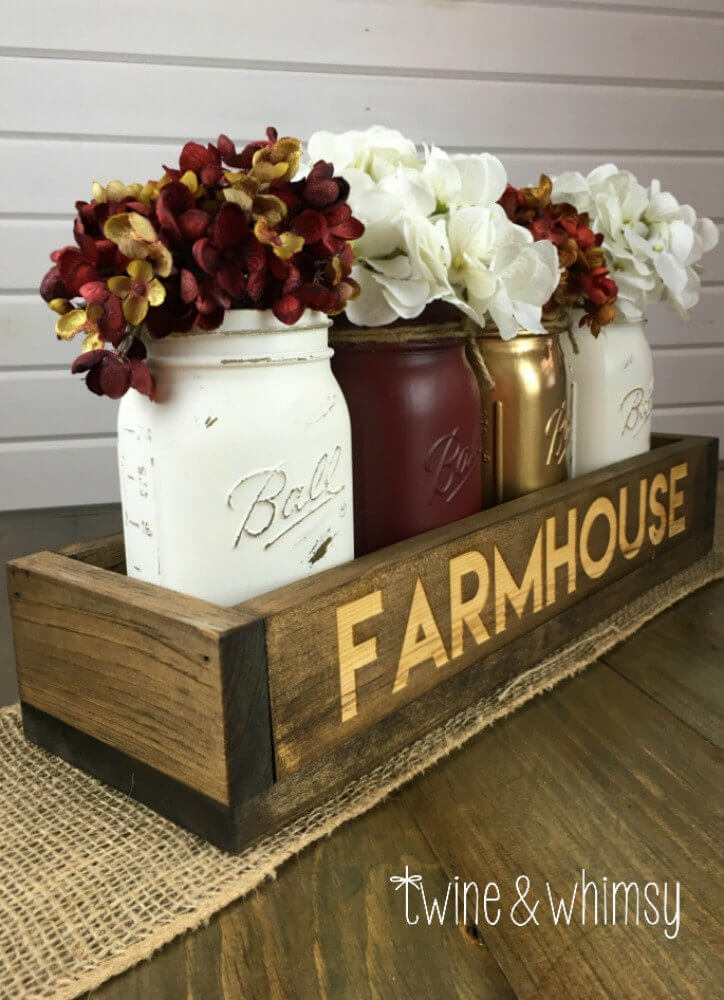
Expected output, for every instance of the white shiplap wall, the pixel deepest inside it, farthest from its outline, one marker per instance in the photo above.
(93, 90)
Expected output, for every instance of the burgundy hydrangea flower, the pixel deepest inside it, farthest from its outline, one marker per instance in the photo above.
(174, 315)
(179, 218)
(243, 160)
(112, 374)
(111, 324)
(227, 229)
(584, 280)
(52, 286)
(204, 161)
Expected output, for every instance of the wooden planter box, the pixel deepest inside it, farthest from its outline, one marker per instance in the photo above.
(232, 721)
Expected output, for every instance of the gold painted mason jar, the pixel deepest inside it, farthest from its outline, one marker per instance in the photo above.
(525, 427)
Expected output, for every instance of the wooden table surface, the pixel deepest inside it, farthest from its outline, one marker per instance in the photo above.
(615, 771)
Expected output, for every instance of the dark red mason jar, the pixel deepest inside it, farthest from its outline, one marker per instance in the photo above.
(414, 405)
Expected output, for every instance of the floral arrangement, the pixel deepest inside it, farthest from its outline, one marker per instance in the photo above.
(434, 230)
(227, 229)
(584, 280)
(651, 243)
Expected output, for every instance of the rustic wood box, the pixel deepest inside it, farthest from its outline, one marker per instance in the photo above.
(231, 721)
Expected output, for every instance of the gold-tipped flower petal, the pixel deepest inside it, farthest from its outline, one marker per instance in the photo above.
(92, 342)
(160, 256)
(277, 161)
(135, 308)
(269, 207)
(267, 172)
(289, 244)
(140, 270)
(240, 197)
(136, 238)
(284, 245)
(190, 180)
(157, 293)
(137, 291)
(71, 323)
(115, 191)
(127, 226)
(119, 285)
(60, 306)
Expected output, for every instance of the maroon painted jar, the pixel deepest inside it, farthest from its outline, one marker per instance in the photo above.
(414, 404)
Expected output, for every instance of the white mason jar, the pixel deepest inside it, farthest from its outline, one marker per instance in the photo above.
(238, 478)
(610, 394)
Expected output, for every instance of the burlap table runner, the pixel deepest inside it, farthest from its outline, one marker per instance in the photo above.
(92, 882)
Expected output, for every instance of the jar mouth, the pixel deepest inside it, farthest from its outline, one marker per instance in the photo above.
(398, 337)
(489, 334)
(263, 341)
(251, 321)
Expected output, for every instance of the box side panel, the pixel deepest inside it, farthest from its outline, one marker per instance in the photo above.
(248, 744)
(493, 684)
(175, 800)
(351, 656)
(108, 553)
(106, 657)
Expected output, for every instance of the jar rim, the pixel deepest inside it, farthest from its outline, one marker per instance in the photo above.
(251, 321)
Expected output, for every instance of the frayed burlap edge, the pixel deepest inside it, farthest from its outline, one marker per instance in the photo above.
(235, 876)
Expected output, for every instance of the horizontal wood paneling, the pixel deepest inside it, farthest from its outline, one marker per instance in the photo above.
(57, 172)
(665, 7)
(665, 328)
(175, 101)
(32, 403)
(682, 375)
(25, 247)
(694, 180)
(58, 473)
(692, 420)
(87, 94)
(434, 38)
(713, 263)
(27, 335)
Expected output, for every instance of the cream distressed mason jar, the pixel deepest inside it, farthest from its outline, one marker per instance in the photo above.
(610, 391)
(238, 478)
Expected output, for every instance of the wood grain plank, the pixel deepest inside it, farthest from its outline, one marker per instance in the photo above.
(127, 663)
(108, 552)
(677, 659)
(595, 776)
(437, 38)
(21, 533)
(330, 925)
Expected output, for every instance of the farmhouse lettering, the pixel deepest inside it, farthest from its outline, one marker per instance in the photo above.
(485, 594)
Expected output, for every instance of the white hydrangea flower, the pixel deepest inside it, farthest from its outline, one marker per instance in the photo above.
(376, 151)
(434, 231)
(498, 269)
(652, 243)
